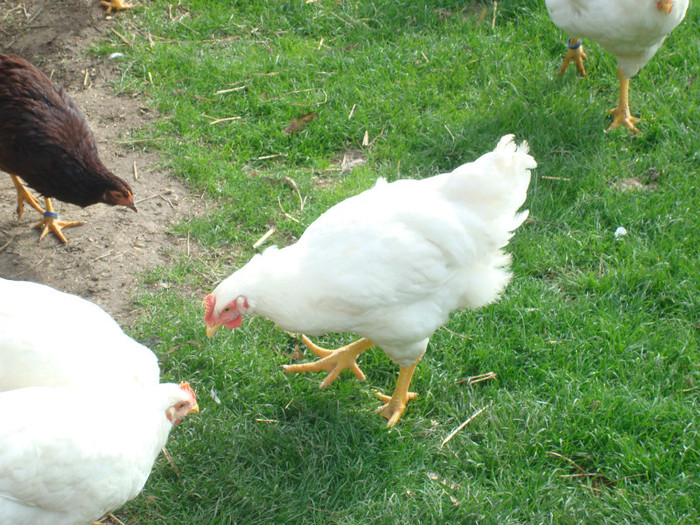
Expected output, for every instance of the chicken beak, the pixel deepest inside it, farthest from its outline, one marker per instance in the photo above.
(194, 409)
(666, 6)
(132, 206)
(212, 328)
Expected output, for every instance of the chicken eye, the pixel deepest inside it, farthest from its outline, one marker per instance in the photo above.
(227, 309)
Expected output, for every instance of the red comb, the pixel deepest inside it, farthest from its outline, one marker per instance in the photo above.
(185, 387)
(209, 304)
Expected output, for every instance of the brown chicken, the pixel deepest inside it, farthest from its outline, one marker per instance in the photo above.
(46, 142)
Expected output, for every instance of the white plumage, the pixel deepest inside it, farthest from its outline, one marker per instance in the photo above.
(52, 338)
(389, 264)
(84, 415)
(632, 30)
(68, 456)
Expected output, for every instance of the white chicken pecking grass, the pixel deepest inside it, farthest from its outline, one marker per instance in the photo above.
(632, 30)
(69, 456)
(389, 264)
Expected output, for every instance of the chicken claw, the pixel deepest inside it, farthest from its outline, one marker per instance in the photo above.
(333, 361)
(622, 115)
(108, 516)
(24, 196)
(115, 5)
(51, 223)
(396, 404)
(574, 52)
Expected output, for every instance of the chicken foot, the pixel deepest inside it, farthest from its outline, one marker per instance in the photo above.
(24, 196)
(108, 516)
(396, 404)
(115, 5)
(621, 113)
(576, 54)
(51, 223)
(333, 361)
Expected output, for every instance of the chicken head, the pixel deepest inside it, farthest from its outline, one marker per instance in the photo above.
(229, 315)
(185, 403)
(119, 198)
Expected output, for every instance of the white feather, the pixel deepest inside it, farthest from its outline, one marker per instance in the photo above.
(391, 263)
(68, 456)
(51, 338)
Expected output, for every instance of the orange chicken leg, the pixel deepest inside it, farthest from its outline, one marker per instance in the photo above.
(333, 361)
(51, 223)
(622, 115)
(110, 516)
(396, 404)
(576, 54)
(24, 196)
(115, 5)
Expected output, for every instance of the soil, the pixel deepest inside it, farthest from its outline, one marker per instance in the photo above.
(103, 258)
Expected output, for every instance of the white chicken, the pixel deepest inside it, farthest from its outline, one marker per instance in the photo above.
(389, 264)
(84, 413)
(632, 30)
(52, 338)
(68, 456)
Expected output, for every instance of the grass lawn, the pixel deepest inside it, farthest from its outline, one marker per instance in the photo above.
(593, 415)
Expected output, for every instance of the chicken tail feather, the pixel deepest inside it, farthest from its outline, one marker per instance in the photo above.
(495, 185)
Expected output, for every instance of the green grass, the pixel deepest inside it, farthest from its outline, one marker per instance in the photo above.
(594, 343)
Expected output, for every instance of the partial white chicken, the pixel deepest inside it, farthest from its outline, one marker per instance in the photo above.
(632, 30)
(68, 456)
(389, 264)
(52, 338)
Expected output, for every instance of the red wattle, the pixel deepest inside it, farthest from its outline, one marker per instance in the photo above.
(238, 321)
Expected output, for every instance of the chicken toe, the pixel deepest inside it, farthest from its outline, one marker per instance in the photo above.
(396, 404)
(24, 196)
(110, 517)
(576, 54)
(51, 223)
(621, 113)
(622, 117)
(333, 361)
(115, 5)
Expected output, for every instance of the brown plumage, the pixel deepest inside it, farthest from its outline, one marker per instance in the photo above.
(45, 140)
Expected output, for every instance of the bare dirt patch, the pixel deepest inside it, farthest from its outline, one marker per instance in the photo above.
(103, 258)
